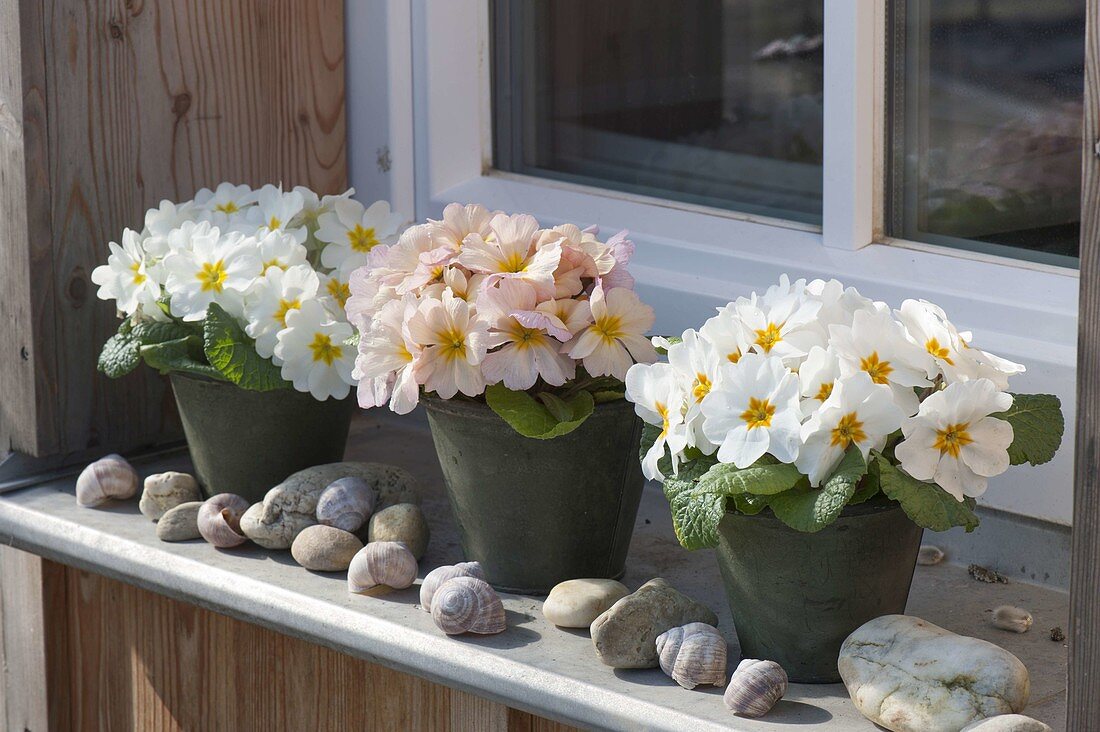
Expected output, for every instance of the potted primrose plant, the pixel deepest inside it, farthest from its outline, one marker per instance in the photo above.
(811, 434)
(238, 296)
(516, 338)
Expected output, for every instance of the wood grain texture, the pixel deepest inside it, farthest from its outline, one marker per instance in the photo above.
(124, 658)
(1084, 648)
(124, 103)
(23, 700)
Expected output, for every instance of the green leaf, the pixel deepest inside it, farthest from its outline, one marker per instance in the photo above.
(531, 418)
(120, 354)
(608, 395)
(234, 355)
(557, 406)
(182, 354)
(672, 341)
(761, 479)
(1037, 428)
(926, 504)
(812, 509)
(151, 332)
(749, 504)
(696, 511)
(352, 340)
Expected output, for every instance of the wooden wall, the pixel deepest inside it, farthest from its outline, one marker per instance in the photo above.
(107, 107)
(1084, 647)
(97, 654)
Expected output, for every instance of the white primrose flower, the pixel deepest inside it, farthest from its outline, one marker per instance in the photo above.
(162, 221)
(126, 278)
(954, 442)
(351, 231)
(528, 349)
(459, 222)
(781, 325)
(877, 344)
(696, 363)
(753, 410)
(858, 412)
(454, 340)
(816, 377)
(279, 249)
(985, 365)
(929, 328)
(384, 367)
(839, 304)
(729, 336)
(616, 339)
(510, 251)
(225, 205)
(314, 354)
(277, 211)
(215, 269)
(658, 399)
(270, 300)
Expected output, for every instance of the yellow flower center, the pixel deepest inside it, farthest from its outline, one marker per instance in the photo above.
(341, 291)
(933, 346)
(212, 276)
(734, 357)
(362, 239)
(768, 337)
(272, 263)
(759, 413)
(701, 387)
(609, 328)
(848, 430)
(274, 223)
(324, 349)
(514, 263)
(663, 411)
(879, 371)
(527, 337)
(139, 276)
(285, 306)
(825, 391)
(229, 207)
(952, 438)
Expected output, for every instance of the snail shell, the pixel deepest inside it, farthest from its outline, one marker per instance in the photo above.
(1016, 619)
(467, 605)
(755, 687)
(220, 520)
(693, 654)
(388, 563)
(346, 504)
(110, 477)
(929, 555)
(439, 575)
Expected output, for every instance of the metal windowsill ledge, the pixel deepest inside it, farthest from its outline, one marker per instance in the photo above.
(533, 666)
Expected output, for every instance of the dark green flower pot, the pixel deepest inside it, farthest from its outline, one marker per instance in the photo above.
(538, 512)
(245, 442)
(795, 597)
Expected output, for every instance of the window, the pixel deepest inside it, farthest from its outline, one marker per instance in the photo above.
(710, 102)
(986, 123)
(720, 103)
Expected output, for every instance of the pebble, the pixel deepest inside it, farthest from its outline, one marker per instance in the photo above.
(180, 523)
(404, 522)
(929, 555)
(1057, 634)
(1007, 723)
(1015, 619)
(909, 675)
(164, 491)
(576, 603)
(984, 574)
(625, 634)
(325, 548)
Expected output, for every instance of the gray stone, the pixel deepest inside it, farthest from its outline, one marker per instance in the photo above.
(1008, 723)
(404, 522)
(325, 548)
(180, 523)
(625, 634)
(164, 491)
(909, 675)
(292, 505)
(576, 603)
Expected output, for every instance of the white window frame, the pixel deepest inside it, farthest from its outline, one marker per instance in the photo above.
(690, 258)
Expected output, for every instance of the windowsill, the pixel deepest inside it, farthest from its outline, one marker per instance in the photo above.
(532, 666)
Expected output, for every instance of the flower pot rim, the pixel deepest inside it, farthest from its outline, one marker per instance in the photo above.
(478, 409)
(877, 504)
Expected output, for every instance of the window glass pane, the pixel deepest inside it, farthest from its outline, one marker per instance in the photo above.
(986, 106)
(711, 102)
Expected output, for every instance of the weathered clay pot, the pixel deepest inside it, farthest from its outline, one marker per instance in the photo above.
(537, 512)
(246, 442)
(795, 596)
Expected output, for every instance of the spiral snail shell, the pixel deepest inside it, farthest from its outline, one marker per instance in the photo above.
(755, 688)
(220, 520)
(439, 575)
(467, 605)
(346, 504)
(693, 654)
(110, 477)
(388, 563)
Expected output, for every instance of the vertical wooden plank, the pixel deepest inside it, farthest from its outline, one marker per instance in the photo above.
(1084, 648)
(23, 702)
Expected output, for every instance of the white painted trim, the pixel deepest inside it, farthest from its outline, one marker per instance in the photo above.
(400, 76)
(854, 43)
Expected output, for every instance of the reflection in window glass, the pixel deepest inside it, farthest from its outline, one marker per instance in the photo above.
(986, 119)
(710, 102)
